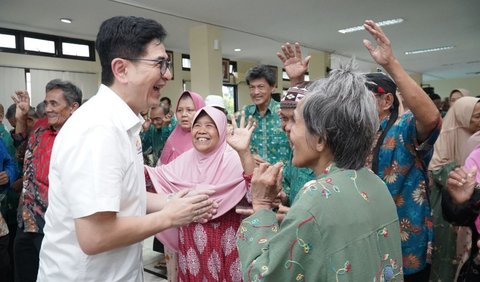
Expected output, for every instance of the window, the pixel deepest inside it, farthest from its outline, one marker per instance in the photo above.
(8, 41)
(72, 49)
(39, 45)
(230, 98)
(24, 42)
(186, 63)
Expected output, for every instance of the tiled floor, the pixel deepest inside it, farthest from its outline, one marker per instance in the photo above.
(150, 258)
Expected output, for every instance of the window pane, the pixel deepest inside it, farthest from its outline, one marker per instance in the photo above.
(72, 49)
(229, 98)
(39, 45)
(186, 64)
(7, 41)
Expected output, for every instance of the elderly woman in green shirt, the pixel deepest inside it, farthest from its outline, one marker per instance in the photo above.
(344, 225)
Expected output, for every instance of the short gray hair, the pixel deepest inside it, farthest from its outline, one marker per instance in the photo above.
(343, 113)
(71, 92)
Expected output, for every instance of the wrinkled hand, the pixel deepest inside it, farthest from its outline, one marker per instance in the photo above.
(238, 137)
(265, 185)
(294, 65)
(461, 184)
(22, 100)
(183, 209)
(3, 178)
(382, 53)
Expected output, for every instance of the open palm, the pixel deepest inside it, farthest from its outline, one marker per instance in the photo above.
(239, 137)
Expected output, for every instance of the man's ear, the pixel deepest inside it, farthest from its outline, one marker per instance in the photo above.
(119, 69)
(388, 101)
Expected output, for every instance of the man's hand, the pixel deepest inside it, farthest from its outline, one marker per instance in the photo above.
(183, 209)
(22, 100)
(382, 53)
(294, 65)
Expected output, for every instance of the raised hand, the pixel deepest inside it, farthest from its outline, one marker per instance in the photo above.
(22, 100)
(238, 137)
(461, 184)
(294, 65)
(382, 53)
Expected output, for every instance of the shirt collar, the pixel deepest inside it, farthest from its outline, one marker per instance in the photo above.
(125, 115)
(271, 106)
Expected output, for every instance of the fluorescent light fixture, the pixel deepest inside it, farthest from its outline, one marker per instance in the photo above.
(360, 27)
(237, 49)
(65, 20)
(421, 51)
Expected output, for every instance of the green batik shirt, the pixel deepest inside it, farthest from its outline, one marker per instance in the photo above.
(294, 178)
(153, 141)
(342, 227)
(269, 141)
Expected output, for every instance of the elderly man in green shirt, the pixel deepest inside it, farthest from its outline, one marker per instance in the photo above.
(269, 142)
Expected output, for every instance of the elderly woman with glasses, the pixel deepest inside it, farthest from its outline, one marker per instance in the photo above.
(343, 225)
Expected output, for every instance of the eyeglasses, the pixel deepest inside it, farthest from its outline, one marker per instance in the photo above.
(163, 63)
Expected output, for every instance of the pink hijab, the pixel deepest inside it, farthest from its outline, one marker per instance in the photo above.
(220, 170)
(180, 140)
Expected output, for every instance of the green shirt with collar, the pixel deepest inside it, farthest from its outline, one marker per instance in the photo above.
(269, 141)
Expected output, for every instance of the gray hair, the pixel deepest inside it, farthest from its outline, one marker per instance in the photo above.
(343, 113)
(71, 92)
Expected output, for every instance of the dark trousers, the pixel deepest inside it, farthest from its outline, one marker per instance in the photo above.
(5, 266)
(26, 255)
(422, 276)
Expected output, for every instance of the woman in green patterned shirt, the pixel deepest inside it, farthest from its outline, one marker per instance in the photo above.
(344, 224)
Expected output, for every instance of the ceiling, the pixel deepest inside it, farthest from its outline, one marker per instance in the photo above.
(260, 27)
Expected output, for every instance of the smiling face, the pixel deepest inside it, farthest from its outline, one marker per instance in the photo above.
(57, 108)
(205, 135)
(185, 112)
(260, 92)
(145, 79)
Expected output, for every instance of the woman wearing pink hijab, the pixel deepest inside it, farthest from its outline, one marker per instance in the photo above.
(218, 161)
(180, 139)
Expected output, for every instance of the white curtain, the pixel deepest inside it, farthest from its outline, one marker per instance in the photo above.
(11, 79)
(87, 82)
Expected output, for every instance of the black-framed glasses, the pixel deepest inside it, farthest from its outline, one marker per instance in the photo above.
(163, 63)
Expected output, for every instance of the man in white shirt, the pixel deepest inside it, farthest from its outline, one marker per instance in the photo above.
(96, 219)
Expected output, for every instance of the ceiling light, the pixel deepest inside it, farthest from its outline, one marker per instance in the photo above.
(237, 49)
(420, 51)
(360, 27)
(65, 20)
